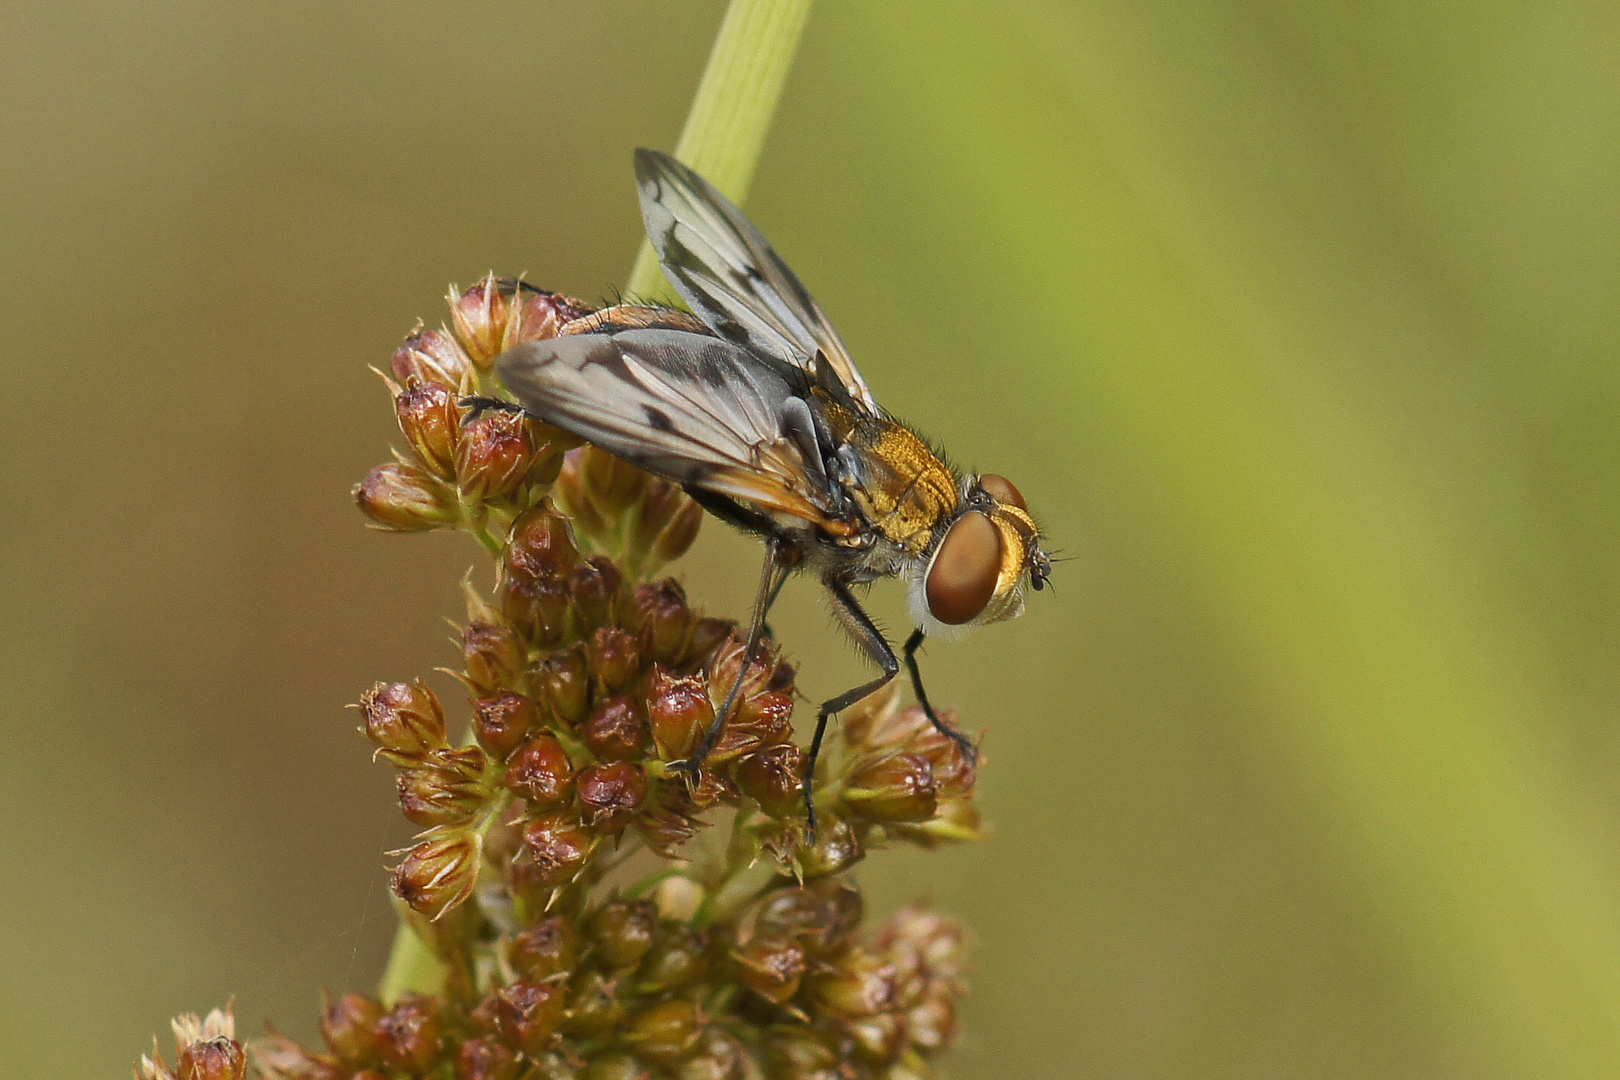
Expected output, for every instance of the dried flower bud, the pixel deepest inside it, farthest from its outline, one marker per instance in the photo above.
(430, 418)
(708, 635)
(494, 656)
(410, 1035)
(573, 495)
(557, 848)
(931, 1025)
(669, 818)
(205, 1049)
(593, 1008)
(527, 1014)
(661, 619)
(837, 847)
(494, 456)
(540, 547)
(771, 967)
(615, 730)
(543, 949)
(610, 792)
(678, 958)
(892, 788)
(614, 657)
(485, 1058)
(667, 1032)
(540, 771)
(403, 720)
(796, 1054)
(878, 1038)
(348, 1024)
(719, 1056)
(538, 609)
(613, 483)
(447, 788)
(277, 1057)
(860, 984)
(405, 498)
(564, 679)
(679, 711)
(540, 314)
(774, 777)
(678, 536)
(439, 873)
(594, 588)
(429, 356)
(623, 931)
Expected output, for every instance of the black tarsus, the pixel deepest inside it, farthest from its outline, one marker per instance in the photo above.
(478, 406)
(871, 640)
(969, 752)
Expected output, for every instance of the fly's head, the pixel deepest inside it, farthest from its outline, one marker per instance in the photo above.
(975, 573)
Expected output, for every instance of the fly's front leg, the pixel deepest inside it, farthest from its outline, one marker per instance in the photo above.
(970, 753)
(866, 634)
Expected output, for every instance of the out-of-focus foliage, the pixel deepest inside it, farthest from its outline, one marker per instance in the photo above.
(1295, 322)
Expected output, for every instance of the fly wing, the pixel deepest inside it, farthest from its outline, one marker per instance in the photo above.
(685, 406)
(731, 278)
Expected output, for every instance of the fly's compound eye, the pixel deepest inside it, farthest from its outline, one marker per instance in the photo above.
(963, 576)
(1002, 490)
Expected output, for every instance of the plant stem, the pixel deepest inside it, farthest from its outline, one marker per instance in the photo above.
(725, 131)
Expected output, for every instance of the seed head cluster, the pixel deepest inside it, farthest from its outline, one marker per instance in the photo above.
(591, 912)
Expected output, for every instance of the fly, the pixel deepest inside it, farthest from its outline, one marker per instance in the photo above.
(753, 405)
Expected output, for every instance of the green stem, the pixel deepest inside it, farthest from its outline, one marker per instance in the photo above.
(724, 134)
(725, 131)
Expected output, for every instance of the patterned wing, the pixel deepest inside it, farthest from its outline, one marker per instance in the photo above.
(685, 406)
(731, 278)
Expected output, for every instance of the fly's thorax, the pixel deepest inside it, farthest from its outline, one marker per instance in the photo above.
(902, 487)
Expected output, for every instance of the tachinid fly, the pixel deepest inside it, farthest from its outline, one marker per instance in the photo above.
(756, 409)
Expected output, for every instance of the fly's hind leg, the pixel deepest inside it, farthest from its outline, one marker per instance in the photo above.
(970, 753)
(866, 634)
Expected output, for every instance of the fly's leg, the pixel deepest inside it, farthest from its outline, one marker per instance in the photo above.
(772, 575)
(970, 753)
(866, 634)
(481, 405)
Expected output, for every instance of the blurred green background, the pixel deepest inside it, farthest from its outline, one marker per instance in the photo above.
(1295, 322)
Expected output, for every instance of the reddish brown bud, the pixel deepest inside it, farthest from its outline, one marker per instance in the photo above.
(485, 1058)
(557, 848)
(667, 1032)
(438, 874)
(540, 547)
(623, 931)
(494, 456)
(708, 635)
(405, 498)
(837, 847)
(494, 656)
(679, 711)
(501, 722)
(479, 317)
(540, 771)
(214, 1059)
(348, 1024)
(615, 730)
(614, 657)
(539, 315)
(660, 617)
(774, 778)
(771, 967)
(678, 958)
(564, 678)
(410, 1035)
(544, 949)
(670, 820)
(594, 1008)
(527, 1014)
(610, 792)
(574, 497)
(429, 356)
(892, 788)
(448, 788)
(594, 587)
(430, 419)
(403, 720)
(539, 609)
